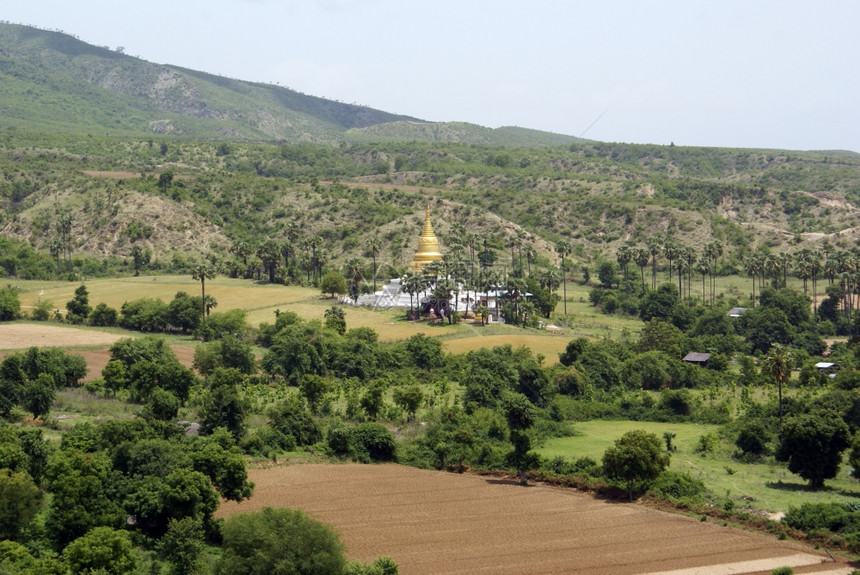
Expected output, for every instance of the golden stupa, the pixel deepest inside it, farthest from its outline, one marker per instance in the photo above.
(428, 246)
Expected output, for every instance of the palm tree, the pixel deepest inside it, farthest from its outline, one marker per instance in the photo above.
(563, 248)
(412, 284)
(241, 249)
(703, 266)
(681, 266)
(624, 255)
(471, 240)
(815, 258)
(202, 271)
(512, 242)
(373, 247)
(531, 255)
(753, 264)
(354, 272)
(714, 251)
(270, 254)
(670, 250)
(641, 256)
(777, 363)
(655, 244)
(689, 256)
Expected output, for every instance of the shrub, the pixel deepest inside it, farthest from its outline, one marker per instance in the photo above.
(374, 440)
(676, 485)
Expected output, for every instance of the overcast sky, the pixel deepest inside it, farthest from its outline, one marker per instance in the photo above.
(753, 73)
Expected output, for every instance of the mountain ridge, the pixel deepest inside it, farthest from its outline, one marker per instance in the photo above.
(112, 93)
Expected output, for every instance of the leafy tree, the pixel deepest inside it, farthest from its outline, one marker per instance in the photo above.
(659, 304)
(292, 417)
(314, 388)
(182, 545)
(279, 541)
(20, 500)
(103, 316)
(753, 437)
(636, 456)
(10, 304)
(333, 283)
(335, 319)
(103, 550)
(38, 395)
(163, 405)
(425, 352)
(154, 501)
(185, 312)
(409, 399)
(223, 405)
(521, 416)
(374, 441)
(15, 559)
(224, 465)
(661, 336)
(80, 498)
(373, 397)
(813, 443)
(607, 274)
(78, 307)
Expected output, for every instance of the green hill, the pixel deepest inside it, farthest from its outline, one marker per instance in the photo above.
(185, 164)
(51, 81)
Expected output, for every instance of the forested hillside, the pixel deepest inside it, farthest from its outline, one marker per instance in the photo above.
(196, 199)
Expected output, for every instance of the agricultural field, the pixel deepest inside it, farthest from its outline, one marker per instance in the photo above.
(260, 301)
(439, 523)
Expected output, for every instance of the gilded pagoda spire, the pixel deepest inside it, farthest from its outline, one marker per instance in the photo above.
(428, 246)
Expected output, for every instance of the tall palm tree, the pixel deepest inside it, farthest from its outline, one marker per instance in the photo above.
(531, 255)
(681, 266)
(624, 255)
(753, 267)
(412, 284)
(202, 271)
(671, 251)
(777, 364)
(815, 259)
(714, 250)
(703, 266)
(563, 248)
(655, 245)
(689, 256)
(354, 272)
(373, 247)
(641, 256)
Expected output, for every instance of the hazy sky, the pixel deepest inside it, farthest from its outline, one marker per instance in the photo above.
(753, 73)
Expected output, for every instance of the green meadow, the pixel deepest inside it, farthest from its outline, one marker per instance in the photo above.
(767, 485)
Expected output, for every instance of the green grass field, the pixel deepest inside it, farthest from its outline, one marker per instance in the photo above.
(768, 486)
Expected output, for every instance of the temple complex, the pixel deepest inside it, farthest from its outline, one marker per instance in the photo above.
(428, 246)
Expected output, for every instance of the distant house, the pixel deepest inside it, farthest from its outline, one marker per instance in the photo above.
(827, 367)
(700, 359)
(736, 312)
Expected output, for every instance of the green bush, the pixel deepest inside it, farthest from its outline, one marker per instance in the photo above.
(373, 440)
(678, 486)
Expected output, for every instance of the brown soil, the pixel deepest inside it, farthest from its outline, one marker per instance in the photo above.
(17, 336)
(439, 523)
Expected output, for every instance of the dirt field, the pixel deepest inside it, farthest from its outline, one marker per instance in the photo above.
(23, 335)
(440, 523)
(17, 336)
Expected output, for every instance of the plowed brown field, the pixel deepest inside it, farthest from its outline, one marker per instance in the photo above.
(16, 336)
(440, 523)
